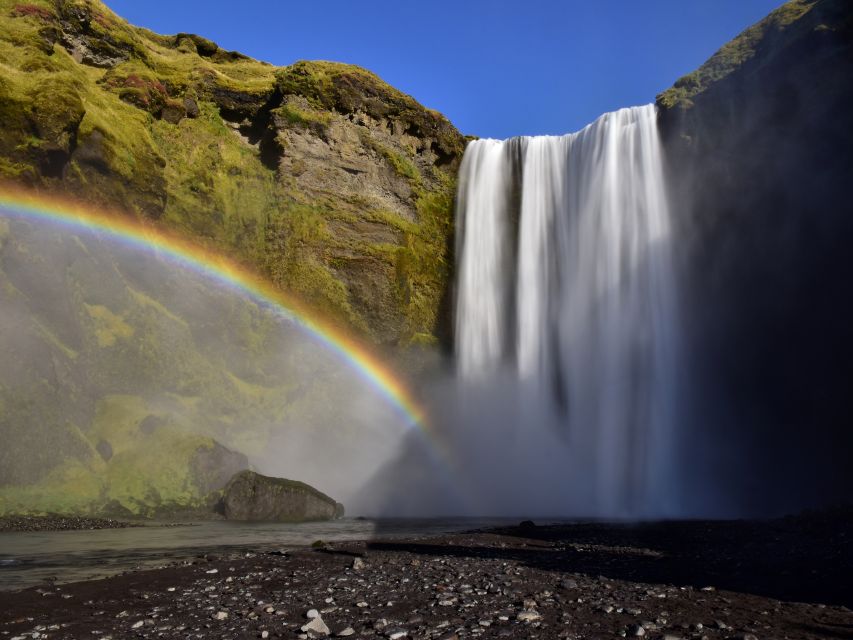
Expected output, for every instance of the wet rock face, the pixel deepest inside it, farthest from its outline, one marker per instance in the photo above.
(760, 151)
(250, 496)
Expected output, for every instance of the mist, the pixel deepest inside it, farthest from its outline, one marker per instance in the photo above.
(116, 360)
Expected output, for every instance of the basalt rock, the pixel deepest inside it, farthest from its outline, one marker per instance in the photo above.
(759, 143)
(251, 496)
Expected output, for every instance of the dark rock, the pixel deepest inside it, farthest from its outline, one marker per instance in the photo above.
(204, 47)
(173, 112)
(191, 107)
(759, 151)
(105, 449)
(149, 424)
(251, 496)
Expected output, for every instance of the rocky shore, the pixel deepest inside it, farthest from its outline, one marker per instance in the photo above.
(60, 523)
(790, 578)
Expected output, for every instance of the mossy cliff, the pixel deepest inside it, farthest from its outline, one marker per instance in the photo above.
(321, 175)
(759, 142)
(129, 386)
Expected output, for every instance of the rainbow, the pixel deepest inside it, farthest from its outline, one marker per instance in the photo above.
(147, 236)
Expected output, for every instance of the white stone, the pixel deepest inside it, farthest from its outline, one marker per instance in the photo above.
(316, 626)
(529, 616)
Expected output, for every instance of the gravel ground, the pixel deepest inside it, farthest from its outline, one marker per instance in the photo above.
(789, 578)
(60, 523)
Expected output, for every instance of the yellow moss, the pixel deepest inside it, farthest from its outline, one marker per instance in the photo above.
(147, 301)
(109, 327)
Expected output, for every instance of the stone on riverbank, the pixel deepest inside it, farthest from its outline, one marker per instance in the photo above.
(250, 496)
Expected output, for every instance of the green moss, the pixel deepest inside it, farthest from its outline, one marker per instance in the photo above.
(217, 186)
(304, 118)
(296, 234)
(10, 170)
(423, 265)
(733, 54)
(346, 88)
(401, 164)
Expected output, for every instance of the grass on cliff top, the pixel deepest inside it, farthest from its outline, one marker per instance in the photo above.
(347, 88)
(732, 55)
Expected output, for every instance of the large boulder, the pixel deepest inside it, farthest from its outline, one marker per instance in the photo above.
(250, 496)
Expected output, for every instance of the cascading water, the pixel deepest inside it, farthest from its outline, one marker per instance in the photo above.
(565, 279)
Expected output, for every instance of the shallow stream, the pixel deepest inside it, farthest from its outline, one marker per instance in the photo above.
(32, 558)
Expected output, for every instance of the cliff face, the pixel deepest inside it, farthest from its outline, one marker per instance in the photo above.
(126, 386)
(759, 142)
(336, 185)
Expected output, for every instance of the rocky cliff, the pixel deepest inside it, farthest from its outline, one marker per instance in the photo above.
(321, 175)
(129, 387)
(760, 148)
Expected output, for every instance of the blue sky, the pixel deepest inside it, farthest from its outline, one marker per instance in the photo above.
(496, 68)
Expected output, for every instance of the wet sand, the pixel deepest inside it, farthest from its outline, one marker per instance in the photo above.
(789, 578)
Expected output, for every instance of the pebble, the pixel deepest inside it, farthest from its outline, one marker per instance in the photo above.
(316, 626)
(529, 615)
(446, 598)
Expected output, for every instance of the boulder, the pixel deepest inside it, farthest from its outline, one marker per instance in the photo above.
(250, 496)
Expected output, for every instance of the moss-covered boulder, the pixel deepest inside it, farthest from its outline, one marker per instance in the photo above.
(250, 496)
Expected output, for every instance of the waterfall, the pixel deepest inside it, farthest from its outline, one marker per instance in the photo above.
(565, 280)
